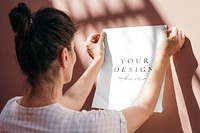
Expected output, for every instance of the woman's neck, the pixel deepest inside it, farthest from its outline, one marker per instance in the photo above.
(45, 95)
(46, 89)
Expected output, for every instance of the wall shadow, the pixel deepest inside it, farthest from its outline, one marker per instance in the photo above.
(168, 120)
(185, 65)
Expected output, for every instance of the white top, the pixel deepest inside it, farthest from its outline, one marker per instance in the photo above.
(55, 118)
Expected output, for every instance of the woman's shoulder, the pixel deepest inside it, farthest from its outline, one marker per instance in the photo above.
(8, 108)
(12, 101)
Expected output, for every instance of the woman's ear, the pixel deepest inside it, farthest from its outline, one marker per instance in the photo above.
(64, 57)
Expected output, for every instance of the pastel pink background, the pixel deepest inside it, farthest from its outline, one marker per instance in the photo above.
(181, 103)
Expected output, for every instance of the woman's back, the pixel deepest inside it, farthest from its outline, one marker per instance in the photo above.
(55, 118)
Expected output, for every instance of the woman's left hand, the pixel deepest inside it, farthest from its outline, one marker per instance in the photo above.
(172, 40)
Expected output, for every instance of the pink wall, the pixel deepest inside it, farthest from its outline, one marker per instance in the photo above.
(182, 90)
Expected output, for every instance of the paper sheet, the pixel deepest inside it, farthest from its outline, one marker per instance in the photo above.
(129, 56)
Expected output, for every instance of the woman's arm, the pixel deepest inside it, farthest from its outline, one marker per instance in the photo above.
(77, 94)
(135, 116)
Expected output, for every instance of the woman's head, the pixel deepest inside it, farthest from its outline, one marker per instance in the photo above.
(39, 38)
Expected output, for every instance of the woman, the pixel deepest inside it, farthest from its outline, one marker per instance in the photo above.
(45, 52)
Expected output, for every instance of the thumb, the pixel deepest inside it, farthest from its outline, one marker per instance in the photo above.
(101, 38)
(164, 33)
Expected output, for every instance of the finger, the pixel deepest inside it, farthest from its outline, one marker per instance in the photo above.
(174, 31)
(182, 35)
(183, 38)
(179, 34)
(170, 32)
(101, 38)
(174, 34)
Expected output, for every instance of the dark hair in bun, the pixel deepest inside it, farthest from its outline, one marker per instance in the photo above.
(39, 37)
(20, 18)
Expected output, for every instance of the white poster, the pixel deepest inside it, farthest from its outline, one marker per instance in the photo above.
(129, 56)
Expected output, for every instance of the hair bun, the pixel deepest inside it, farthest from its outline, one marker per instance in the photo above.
(20, 18)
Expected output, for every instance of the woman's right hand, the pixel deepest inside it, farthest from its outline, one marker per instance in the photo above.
(95, 46)
(172, 40)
